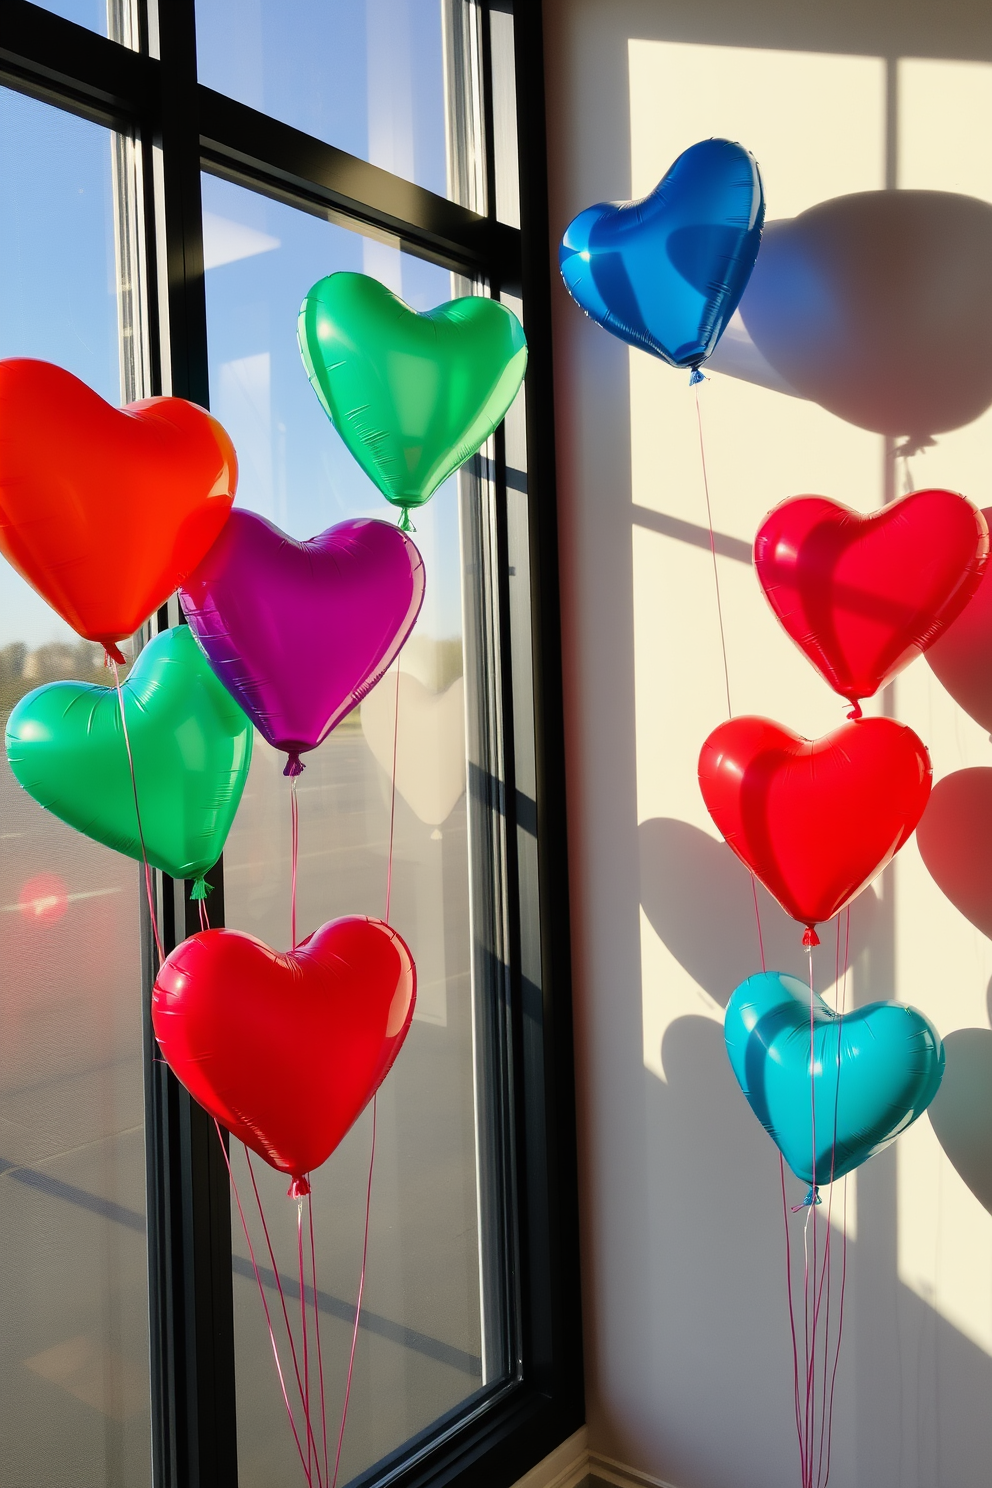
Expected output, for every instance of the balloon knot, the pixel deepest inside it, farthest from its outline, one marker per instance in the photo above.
(855, 712)
(200, 888)
(812, 1198)
(113, 652)
(294, 765)
(300, 1187)
(696, 377)
(810, 938)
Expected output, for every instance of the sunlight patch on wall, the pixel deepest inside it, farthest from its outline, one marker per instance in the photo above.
(817, 125)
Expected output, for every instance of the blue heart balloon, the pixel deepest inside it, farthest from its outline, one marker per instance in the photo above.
(874, 1069)
(666, 273)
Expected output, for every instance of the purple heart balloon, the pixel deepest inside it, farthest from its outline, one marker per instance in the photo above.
(299, 632)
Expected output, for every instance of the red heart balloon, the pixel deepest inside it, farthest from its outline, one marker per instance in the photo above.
(815, 819)
(961, 658)
(286, 1051)
(103, 510)
(955, 842)
(863, 596)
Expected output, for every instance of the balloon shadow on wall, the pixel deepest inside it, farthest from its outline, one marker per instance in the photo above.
(961, 659)
(878, 306)
(961, 1114)
(698, 899)
(955, 842)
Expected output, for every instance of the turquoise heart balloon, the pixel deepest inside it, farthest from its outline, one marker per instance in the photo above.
(413, 395)
(875, 1070)
(191, 745)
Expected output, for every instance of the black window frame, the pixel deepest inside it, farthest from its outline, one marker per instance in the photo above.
(158, 100)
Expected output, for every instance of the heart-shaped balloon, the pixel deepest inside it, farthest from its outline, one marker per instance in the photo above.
(413, 395)
(961, 658)
(286, 1051)
(863, 596)
(666, 273)
(814, 819)
(955, 842)
(299, 632)
(190, 742)
(429, 730)
(104, 510)
(874, 1071)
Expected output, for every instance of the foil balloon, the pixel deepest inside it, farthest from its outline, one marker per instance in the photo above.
(413, 395)
(299, 632)
(862, 596)
(104, 510)
(873, 1071)
(286, 1051)
(961, 657)
(814, 820)
(666, 273)
(191, 746)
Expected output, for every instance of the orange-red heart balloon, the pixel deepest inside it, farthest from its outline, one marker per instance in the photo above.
(103, 510)
(286, 1051)
(815, 819)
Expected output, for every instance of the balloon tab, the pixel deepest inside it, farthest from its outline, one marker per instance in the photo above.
(810, 939)
(855, 712)
(405, 525)
(810, 1201)
(113, 652)
(696, 377)
(294, 765)
(300, 1187)
(200, 888)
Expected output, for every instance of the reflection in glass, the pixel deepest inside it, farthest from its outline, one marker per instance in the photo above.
(421, 1346)
(113, 18)
(74, 1392)
(395, 82)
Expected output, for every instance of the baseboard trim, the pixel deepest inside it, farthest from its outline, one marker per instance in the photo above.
(572, 1462)
(565, 1467)
(621, 1476)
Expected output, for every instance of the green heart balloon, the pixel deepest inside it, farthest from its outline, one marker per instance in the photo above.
(190, 742)
(412, 395)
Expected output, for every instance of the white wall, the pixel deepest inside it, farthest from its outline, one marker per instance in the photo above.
(687, 1345)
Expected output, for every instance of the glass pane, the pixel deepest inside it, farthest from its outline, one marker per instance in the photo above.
(427, 1342)
(113, 18)
(395, 82)
(74, 1391)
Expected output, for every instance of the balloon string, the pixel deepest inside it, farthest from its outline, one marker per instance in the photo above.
(303, 1325)
(316, 1324)
(265, 1305)
(792, 1310)
(811, 1297)
(716, 569)
(358, 1306)
(757, 920)
(282, 1298)
(149, 895)
(204, 917)
(392, 797)
(294, 818)
(828, 1413)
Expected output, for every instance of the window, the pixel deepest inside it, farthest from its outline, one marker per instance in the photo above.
(160, 235)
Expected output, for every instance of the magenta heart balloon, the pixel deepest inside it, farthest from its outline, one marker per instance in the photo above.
(299, 632)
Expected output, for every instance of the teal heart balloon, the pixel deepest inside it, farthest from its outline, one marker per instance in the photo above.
(191, 745)
(875, 1070)
(413, 395)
